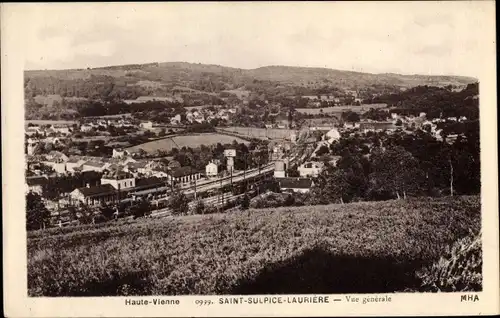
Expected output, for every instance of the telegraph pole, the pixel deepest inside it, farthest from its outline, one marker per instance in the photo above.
(195, 193)
(245, 173)
(231, 178)
(221, 195)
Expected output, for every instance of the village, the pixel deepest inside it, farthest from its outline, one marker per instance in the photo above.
(109, 173)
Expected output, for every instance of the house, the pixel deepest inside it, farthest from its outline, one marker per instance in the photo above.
(301, 185)
(33, 146)
(184, 175)
(149, 188)
(120, 153)
(334, 159)
(33, 130)
(35, 184)
(93, 165)
(119, 180)
(351, 125)
(86, 127)
(159, 173)
(136, 167)
(199, 118)
(62, 129)
(74, 163)
(310, 97)
(104, 193)
(211, 170)
(176, 120)
(332, 135)
(57, 156)
(376, 126)
(59, 167)
(310, 169)
(127, 160)
(189, 116)
(52, 140)
(280, 168)
(269, 125)
(430, 124)
(57, 161)
(146, 125)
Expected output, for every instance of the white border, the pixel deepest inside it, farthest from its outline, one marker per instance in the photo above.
(17, 304)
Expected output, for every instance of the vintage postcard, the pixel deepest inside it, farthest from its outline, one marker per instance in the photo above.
(249, 159)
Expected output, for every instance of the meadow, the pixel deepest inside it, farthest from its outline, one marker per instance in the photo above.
(193, 141)
(261, 133)
(48, 122)
(339, 109)
(364, 247)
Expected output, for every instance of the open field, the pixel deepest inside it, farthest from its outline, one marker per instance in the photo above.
(126, 115)
(340, 109)
(262, 133)
(48, 122)
(366, 247)
(192, 141)
(240, 93)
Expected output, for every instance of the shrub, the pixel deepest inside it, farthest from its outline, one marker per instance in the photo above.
(459, 270)
(199, 207)
(245, 202)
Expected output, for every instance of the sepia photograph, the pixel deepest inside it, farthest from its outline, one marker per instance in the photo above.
(249, 149)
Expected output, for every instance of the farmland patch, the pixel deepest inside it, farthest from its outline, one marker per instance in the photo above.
(340, 109)
(192, 141)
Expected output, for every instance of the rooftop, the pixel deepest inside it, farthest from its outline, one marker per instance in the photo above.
(94, 164)
(148, 183)
(102, 189)
(117, 175)
(184, 171)
(295, 183)
(36, 180)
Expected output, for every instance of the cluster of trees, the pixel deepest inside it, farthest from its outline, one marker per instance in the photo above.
(277, 199)
(378, 166)
(376, 114)
(248, 156)
(58, 185)
(435, 101)
(37, 214)
(350, 116)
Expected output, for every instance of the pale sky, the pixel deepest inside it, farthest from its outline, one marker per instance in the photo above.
(435, 38)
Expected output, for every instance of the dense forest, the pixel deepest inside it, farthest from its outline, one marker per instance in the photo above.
(435, 101)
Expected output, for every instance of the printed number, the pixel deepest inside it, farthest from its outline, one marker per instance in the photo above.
(200, 302)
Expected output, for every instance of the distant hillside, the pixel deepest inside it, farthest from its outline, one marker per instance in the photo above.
(347, 79)
(211, 78)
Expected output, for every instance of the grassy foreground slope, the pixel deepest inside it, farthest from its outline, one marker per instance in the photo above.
(356, 248)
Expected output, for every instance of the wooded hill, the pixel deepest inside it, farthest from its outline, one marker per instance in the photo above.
(160, 79)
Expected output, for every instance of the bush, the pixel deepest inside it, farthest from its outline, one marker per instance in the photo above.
(459, 270)
(199, 207)
(245, 202)
(179, 203)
